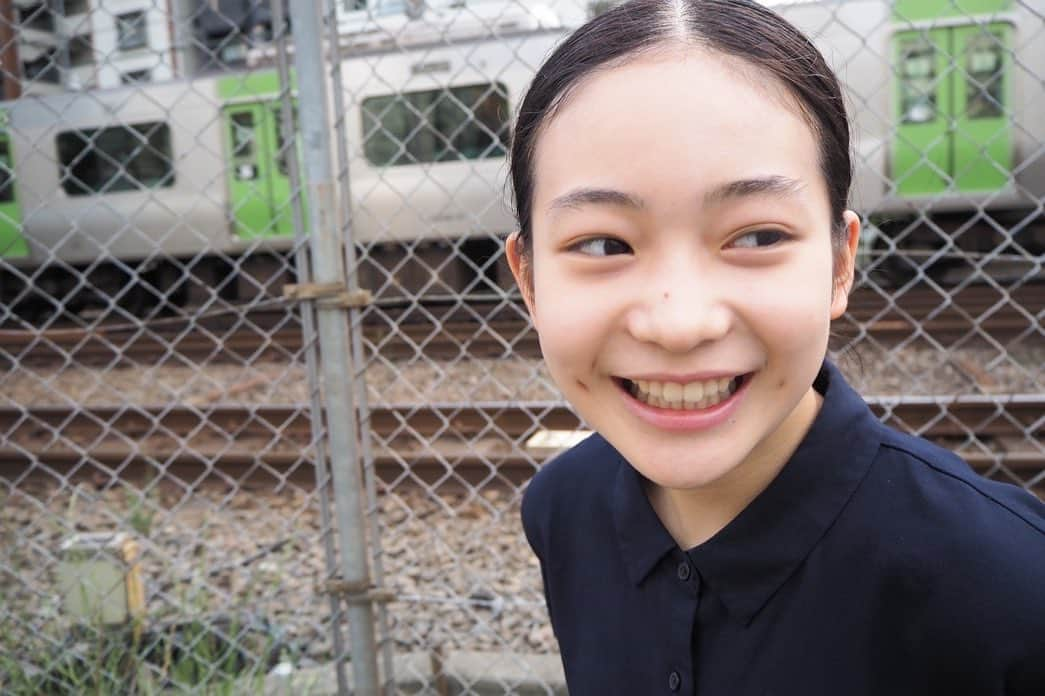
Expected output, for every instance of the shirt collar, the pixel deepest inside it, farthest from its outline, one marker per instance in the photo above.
(749, 559)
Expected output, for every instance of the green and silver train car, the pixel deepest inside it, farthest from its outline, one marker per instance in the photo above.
(197, 173)
(946, 96)
(948, 119)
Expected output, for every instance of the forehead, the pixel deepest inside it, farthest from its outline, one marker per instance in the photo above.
(673, 121)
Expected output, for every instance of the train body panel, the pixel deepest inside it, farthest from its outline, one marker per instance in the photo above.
(445, 181)
(852, 36)
(976, 143)
(121, 173)
(946, 100)
(12, 242)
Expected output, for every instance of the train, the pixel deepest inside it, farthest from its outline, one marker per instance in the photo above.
(155, 196)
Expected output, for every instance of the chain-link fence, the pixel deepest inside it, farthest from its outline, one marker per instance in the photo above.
(269, 396)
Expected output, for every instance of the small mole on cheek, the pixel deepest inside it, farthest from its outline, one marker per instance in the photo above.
(783, 383)
(667, 295)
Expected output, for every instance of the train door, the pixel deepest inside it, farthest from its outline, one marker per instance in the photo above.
(953, 130)
(12, 244)
(258, 178)
(982, 131)
(282, 192)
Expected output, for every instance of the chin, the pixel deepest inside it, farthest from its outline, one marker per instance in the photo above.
(686, 475)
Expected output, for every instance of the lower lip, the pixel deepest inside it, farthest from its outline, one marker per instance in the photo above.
(679, 419)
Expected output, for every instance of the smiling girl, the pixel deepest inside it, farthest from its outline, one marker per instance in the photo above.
(740, 523)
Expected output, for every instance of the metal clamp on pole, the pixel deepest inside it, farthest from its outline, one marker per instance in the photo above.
(328, 295)
(357, 592)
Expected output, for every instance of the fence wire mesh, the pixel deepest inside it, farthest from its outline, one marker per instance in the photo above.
(168, 516)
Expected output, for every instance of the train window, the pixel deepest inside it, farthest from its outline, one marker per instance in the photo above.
(73, 7)
(36, 16)
(984, 65)
(81, 50)
(131, 30)
(918, 81)
(281, 146)
(121, 158)
(43, 69)
(439, 125)
(135, 77)
(7, 180)
(242, 134)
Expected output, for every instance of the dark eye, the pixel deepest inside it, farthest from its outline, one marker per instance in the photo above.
(760, 238)
(601, 246)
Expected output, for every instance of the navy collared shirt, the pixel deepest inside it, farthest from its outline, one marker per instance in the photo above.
(875, 563)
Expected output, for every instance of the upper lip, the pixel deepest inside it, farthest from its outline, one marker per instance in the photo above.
(684, 379)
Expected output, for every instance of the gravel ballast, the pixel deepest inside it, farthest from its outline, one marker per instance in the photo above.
(873, 371)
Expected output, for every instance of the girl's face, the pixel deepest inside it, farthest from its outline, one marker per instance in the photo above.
(682, 280)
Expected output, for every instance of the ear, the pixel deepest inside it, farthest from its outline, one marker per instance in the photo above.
(521, 269)
(846, 265)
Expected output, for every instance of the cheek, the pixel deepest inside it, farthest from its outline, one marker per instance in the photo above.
(572, 321)
(792, 308)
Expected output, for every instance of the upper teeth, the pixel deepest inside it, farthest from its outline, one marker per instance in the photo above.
(689, 395)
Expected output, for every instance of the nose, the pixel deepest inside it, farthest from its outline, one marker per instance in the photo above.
(681, 308)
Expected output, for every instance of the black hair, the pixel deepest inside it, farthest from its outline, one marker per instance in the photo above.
(737, 28)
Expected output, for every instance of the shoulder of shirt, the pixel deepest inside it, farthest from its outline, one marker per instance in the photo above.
(966, 553)
(1005, 503)
(566, 486)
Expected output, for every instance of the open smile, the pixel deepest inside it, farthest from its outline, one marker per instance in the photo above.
(691, 405)
(688, 396)
(682, 396)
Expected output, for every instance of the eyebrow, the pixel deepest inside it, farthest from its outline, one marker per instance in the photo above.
(598, 196)
(773, 185)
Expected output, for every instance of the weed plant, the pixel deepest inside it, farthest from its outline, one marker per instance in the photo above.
(218, 656)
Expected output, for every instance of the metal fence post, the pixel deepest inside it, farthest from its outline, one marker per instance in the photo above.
(335, 351)
(308, 320)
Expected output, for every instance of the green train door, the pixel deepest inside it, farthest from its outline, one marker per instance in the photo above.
(12, 244)
(953, 131)
(258, 179)
(282, 192)
(921, 148)
(982, 132)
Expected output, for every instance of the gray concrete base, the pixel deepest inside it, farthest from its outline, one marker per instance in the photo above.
(471, 673)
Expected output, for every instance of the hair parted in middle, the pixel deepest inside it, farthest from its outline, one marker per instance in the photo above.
(739, 29)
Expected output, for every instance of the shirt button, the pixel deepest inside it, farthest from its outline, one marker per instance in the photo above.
(684, 571)
(674, 681)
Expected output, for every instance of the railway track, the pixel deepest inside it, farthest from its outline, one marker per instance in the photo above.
(490, 330)
(439, 444)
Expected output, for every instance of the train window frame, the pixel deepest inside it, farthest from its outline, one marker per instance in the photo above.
(136, 77)
(96, 161)
(44, 69)
(132, 30)
(388, 144)
(70, 8)
(283, 147)
(81, 50)
(36, 17)
(918, 100)
(984, 95)
(243, 135)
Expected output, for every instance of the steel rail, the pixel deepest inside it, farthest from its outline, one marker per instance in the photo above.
(452, 443)
(1001, 415)
(487, 330)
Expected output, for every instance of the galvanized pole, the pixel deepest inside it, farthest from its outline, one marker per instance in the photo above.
(304, 273)
(341, 137)
(335, 350)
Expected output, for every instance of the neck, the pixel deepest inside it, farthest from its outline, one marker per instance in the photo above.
(692, 516)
